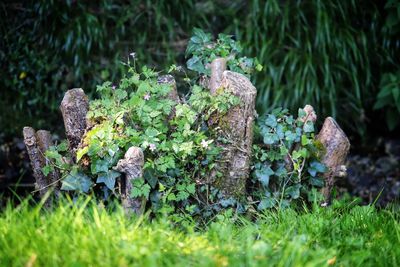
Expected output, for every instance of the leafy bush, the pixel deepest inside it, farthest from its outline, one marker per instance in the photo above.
(180, 151)
(287, 165)
(203, 50)
(389, 98)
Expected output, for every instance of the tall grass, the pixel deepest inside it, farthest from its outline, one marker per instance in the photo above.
(325, 53)
(316, 52)
(87, 234)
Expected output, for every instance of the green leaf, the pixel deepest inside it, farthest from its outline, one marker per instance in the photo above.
(99, 166)
(271, 121)
(266, 203)
(81, 152)
(293, 191)
(108, 178)
(76, 181)
(47, 169)
(196, 64)
(304, 140)
(308, 127)
(301, 113)
(182, 195)
(316, 181)
(263, 175)
(63, 146)
(270, 138)
(120, 94)
(316, 167)
(191, 188)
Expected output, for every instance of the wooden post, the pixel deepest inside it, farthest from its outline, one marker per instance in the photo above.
(218, 66)
(45, 142)
(36, 158)
(74, 107)
(337, 147)
(237, 127)
(132, 166)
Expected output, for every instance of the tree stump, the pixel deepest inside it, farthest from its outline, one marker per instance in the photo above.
(237, 127)
(36, 158)
(337, 146)
(132, 168)
(173, 94)
(45, 142)
(74, 108)
(218, 66)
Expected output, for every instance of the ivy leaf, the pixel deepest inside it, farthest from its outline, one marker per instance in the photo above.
(293, 191)
(290, 136)
(146, 190)
(270, 138)
(196, 64)
(308, 127)
(47, 169)
(76, 181)
(150, 177)
(99, 166)
(81, 152)
(108, 178)
(62, 147)
(316, 167)
(304, 140)
(317, 181)
(263, 175)
(266, 203)
(271, 121)
(301, 113)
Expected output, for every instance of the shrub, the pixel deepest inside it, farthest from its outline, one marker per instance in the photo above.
(180, 153)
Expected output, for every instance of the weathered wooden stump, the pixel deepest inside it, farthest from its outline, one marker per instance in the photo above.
(36, 144)
(337, 146)
(132, 168)
(74, 108)
(237, 127)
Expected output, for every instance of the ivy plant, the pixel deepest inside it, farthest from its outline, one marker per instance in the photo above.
(179, 146)
(287, 160)
(202, 49)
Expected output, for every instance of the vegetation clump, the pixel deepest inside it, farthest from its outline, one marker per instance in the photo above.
(181, 148)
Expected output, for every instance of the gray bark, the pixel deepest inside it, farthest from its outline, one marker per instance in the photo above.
(74, 107)
(45, 142)
(218, 66)
(36, 158)
(337, 146)
(237, 127)
(132, 168)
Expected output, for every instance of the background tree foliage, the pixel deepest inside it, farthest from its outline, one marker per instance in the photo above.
(340, 56)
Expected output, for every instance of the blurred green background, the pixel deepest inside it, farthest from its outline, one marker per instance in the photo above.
(342, 57)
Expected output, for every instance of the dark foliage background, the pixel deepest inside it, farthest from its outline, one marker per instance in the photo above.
(340, 56)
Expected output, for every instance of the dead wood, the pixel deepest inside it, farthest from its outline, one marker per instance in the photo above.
(237, 127)
(218, 66)
(45, 142)
(74, 107)
(132, 168)
(337, 146)
(36, 158)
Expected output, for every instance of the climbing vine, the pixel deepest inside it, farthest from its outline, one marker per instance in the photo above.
(180, 149)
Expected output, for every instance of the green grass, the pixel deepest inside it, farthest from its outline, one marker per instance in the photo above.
(86, 234)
